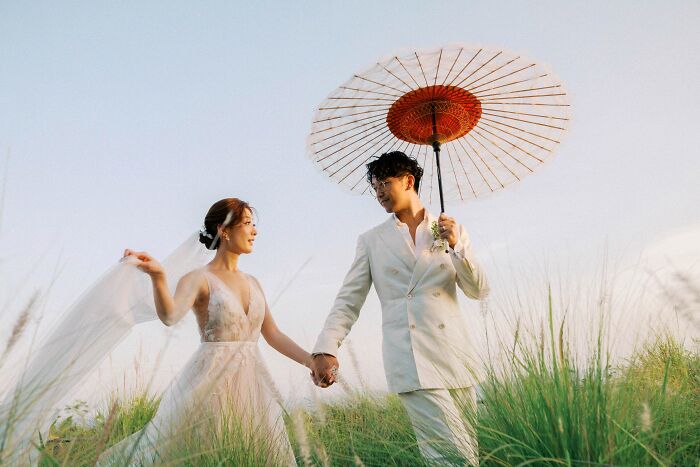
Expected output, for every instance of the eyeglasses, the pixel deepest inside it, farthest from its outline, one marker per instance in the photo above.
(379, 185)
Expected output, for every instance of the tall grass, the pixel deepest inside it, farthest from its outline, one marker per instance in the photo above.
(542, 404)
(538, 411)
(543, 408)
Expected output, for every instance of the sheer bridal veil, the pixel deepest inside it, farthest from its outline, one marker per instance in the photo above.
(86, 333)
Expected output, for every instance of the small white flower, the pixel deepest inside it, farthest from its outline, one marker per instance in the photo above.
(440, 244)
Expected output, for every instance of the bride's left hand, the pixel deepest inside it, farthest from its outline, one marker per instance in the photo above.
(147, 263)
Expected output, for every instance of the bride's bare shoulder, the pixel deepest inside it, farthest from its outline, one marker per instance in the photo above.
(195, 279)
(254, 280)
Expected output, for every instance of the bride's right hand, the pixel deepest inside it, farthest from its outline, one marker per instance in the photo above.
(146, 263)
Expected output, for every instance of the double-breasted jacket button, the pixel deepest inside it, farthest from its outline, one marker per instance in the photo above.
(441, 326)
(436, 294)
(410, 296)
(443, 266)
(413, 326)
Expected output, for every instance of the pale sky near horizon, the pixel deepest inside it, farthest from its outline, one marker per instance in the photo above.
(125, 121)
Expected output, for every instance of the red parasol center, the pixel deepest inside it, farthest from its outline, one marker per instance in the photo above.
(434, 113)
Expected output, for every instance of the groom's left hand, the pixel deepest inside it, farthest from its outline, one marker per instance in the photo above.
(449, 229)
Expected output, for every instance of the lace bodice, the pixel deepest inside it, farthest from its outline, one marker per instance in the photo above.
(227, 321)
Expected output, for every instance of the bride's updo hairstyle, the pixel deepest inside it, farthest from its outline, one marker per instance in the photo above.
(228, 211)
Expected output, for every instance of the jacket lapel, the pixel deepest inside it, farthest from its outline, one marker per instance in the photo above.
(425, 257)
(396, 244)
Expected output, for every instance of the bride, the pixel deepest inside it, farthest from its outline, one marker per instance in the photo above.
(226, 377)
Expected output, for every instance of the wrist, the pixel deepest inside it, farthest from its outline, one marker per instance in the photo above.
(158, 279)
(307, 361)
(324, 357)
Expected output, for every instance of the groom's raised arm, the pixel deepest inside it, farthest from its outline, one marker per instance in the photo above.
(348, 302)
(470, 276)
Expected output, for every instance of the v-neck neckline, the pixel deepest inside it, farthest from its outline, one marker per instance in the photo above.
(245, 310)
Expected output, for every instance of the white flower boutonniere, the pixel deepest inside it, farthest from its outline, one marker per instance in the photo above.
(438, 243)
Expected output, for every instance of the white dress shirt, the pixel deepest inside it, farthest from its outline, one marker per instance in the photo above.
(424, 237)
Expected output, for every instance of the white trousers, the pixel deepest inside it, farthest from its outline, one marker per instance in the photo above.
(438, 419)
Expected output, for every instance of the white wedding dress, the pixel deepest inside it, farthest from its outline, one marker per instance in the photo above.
(225, 377)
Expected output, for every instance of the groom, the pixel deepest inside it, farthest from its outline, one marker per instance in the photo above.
(427, 355)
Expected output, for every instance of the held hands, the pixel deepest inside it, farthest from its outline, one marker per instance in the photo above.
(146, 263)
(324, 370)
(449, 229)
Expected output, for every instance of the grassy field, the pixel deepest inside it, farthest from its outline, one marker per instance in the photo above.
(541, 405)
(541, 409)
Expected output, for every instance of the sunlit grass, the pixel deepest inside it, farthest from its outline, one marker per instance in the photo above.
(542, 404)
(542, 410)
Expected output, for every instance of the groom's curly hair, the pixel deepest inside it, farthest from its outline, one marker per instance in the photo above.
(394, 164)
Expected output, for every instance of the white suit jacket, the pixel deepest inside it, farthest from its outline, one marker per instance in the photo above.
(424, 343)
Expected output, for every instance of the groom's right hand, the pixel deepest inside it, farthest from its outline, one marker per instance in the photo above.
(324, 368)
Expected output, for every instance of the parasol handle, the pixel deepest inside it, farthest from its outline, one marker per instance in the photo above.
(436, 149)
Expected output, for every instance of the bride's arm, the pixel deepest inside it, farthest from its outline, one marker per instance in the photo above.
(281, 342)
(170, 308)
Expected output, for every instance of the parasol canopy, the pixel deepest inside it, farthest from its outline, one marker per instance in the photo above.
(476, 119)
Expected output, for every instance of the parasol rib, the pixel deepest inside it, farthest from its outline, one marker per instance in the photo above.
(378, 84)
(517, 128)
(529, 114)
(512, 83)
(437, 69)
(392, 74)
(346, 146)
(454, 172)
(382, 144)
(511, 143)
(521, 120)
(384, 139)
(467, 86)
(484, 162)
(366, 120)
(518, 90)
(471, 159)
(465, 67)
(361, 99)
(522, 97)
(350, 115)
(354, 106)
(420, 65)
(376, 125)
(338, 150)
(513, 135)
(369, 91)
(506, 152)
(482, 66)
(470, 89)
(453, 65)
(466, 175)
(494, 155)
(406, 70)
(541, 104)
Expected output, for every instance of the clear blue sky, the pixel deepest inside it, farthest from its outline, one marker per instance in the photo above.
(124, 121)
